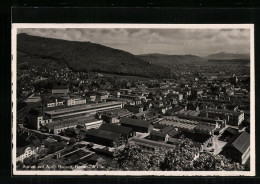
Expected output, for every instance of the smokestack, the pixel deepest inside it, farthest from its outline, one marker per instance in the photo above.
(42, 105)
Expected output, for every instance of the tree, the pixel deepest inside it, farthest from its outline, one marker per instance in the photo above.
(181, 157)
(72, 141)
(42, 152)
(193, 96)
(124, 155)
(30, 161)
(210, 162)
(101, 164)
(27, 161)
(184, 157)
(21, 105)
(81, 136)
(54, 147)
(132, 157)
(19, 165)
(34, 112)
(63, 143)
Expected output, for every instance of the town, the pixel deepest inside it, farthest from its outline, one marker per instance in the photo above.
(199, 119)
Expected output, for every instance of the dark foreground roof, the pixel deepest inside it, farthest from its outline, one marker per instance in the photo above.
(158, 134)
(231, 130)
(103, 134)
(241, 142)
(116, 128)
(135, 122)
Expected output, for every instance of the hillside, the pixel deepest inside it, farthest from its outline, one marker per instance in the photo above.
(227, 56)
(83, 56)
(168, 60)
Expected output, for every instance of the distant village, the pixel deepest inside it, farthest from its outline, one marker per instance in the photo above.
(69, 120)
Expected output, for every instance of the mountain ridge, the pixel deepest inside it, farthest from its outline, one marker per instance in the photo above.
(85, 56)
(227, 56)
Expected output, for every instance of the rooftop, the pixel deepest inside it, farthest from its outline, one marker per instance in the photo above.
(135, 122)
(241, 142)
(203, 127)
(103, 134)
(232, 130)
(174, 140)
(115, 128)
(224, 111)
(150, 143)
(158, 133)
(146, 113)
(176, 119)
(71, 122)
(178, 124)
(197, 118)
(117, 112)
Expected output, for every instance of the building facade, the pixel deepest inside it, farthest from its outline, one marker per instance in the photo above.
(233, 118)
(76, 101)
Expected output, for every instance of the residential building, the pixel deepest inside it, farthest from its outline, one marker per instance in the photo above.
(76, 101)
(114, 116)
(233, 118)
(54, 103)
(40, 121)
(125, 131)
(134, 109)
(25, 152)
(103, 137)
(238, 148)
(205, 129)
(87, 122)
(159, 136)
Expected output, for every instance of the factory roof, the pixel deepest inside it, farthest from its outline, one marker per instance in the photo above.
(135, 122)
(241, 142)
(81, 107)
(150, 143)
(224, 111)
(116, 128)
(71, 122)
(103, 134)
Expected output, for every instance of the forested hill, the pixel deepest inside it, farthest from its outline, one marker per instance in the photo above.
(84, 56)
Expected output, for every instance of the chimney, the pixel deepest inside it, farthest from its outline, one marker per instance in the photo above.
(42, 105)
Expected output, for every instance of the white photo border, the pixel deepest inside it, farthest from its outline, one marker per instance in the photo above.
(16, 26)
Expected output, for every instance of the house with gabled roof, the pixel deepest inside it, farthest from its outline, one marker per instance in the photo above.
(159, 136)
(137, 125)
(125, 131)
(104, 137)
(238, 148)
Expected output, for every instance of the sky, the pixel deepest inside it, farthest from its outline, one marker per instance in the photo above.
(200, 42)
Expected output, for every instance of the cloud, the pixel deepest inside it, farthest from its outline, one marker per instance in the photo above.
(166, 41)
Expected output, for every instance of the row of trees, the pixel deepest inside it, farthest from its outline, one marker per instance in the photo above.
(183, 157)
